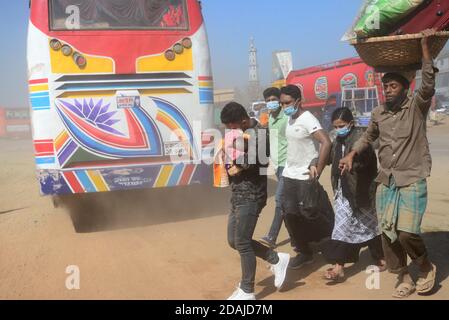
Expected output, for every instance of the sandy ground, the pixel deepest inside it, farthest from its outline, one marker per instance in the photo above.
(168, 244)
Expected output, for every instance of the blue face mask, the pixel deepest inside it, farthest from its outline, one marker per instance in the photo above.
(343, 132)
(273, 105)
(290, 110)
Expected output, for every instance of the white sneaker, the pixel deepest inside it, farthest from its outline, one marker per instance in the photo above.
(280, 269)
(235, 292)
(239, 294)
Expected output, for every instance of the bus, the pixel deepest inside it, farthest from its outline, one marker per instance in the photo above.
(121, 94)
(15, 123)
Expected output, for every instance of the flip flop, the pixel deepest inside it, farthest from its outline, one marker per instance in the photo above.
(404, 290)
(426, 283)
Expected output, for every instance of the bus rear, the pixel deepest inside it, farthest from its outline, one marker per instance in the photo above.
(121, 93)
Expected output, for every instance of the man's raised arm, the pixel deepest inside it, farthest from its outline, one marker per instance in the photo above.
(427, 89)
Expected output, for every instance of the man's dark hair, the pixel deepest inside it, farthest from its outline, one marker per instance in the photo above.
(292, 91)
(392, 76)
(233, 112)
(272, 92)
(343, 114)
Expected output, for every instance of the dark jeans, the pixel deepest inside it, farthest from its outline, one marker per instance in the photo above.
(278, 217)
(407, 244)
(241, 225)
(301, 229)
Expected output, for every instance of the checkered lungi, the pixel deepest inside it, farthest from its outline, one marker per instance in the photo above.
(401, 208)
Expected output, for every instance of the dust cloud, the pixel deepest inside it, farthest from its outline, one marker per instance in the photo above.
(136, 208)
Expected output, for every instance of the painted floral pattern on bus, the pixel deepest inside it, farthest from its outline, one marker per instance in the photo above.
(91, 125)
(97, 114)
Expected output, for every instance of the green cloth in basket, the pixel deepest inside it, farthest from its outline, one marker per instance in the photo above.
(379, 17)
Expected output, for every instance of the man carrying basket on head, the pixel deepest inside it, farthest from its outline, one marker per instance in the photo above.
(405, 164)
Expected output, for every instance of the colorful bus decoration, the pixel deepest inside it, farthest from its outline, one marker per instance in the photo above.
(121, 93)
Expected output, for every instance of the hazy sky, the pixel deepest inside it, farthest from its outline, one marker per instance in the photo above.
(310, 29)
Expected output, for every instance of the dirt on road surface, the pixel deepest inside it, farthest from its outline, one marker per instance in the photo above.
(170, 243)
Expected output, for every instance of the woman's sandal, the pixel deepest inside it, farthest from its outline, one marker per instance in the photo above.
(404, 290)
(331, 275)
(426, 282)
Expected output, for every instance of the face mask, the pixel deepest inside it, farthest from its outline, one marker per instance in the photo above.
(290, 110)
(343, 132)
(273, 105)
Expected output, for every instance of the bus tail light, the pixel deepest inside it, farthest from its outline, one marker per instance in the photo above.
(178, 48)
(170, 55)
(55, 44)
(66, 50)
(187, 43)
(80, 60)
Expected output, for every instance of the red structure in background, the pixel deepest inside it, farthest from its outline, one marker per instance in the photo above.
(320, 82)
(433, 14)
(15, 123)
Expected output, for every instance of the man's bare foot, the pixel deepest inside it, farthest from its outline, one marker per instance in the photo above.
(335, 274)
(382, 265)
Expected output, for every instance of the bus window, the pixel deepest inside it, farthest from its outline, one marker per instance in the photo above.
(119, 14)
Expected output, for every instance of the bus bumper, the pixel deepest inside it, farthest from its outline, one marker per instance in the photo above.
(59, 182)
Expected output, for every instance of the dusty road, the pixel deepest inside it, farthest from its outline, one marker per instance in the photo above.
(168, 244)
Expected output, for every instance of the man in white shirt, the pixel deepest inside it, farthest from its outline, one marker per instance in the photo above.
(304, 166)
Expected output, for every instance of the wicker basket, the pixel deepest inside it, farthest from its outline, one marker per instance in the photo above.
(402, 52)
